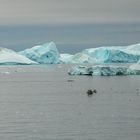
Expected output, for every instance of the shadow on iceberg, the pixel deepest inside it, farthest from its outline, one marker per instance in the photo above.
(49, 54)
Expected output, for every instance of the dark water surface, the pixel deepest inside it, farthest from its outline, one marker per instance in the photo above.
(44, 103)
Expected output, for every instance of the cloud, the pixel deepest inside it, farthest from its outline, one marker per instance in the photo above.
(68, 11)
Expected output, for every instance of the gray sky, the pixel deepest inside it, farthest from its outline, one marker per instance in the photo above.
(68, 11)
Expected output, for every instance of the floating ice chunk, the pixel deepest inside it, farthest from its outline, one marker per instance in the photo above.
(8, 56)
(79, 70)
(101, 70)
(98, 70)
(48, 54)
(43, 54)
(6, 72)
(113, 54)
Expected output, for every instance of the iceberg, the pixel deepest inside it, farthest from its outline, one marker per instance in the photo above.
(103, 70)
(79, 70)
(43, 54)
(8, 56)
(113, 54)
(65, 58)
(49, 54)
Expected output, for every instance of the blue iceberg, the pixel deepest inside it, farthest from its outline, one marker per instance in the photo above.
(49, 54)
(43, 54)
(114, 54)
(104, 70)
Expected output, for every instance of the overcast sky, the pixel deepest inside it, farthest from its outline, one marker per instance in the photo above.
(68, 11)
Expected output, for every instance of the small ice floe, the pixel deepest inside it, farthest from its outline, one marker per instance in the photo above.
(6, 72)
(100, 70)
(103, 70)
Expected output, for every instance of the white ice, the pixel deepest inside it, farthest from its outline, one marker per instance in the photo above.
(8, 56)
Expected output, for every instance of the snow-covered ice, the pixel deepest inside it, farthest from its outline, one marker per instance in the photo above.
(8, 56)
(49, 54)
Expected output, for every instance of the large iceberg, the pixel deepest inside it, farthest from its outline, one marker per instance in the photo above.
(49, 54)
(114, 54)
(104, 70)
(8, 56)
(43, 54)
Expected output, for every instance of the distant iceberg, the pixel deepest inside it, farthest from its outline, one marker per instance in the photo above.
(114, 54)
(8, 56)
(104, 70)
(43, 54)
(49, 54)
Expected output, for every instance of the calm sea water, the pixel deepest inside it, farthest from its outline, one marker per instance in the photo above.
(70, 38)
(45, 103)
